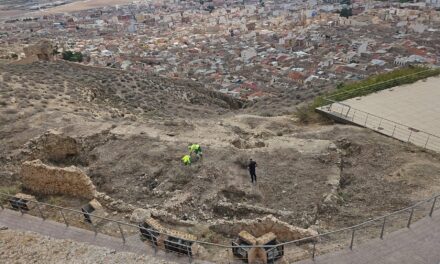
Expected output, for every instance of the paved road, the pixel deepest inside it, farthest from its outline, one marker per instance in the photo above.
(14, 220)
(418, 245)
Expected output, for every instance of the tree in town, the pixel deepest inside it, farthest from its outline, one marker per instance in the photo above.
(346, 12)
(73, 56)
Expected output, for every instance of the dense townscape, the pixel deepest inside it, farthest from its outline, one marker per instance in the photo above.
(247, 49)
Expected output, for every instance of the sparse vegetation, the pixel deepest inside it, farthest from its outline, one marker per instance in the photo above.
(242, 160)
(55, 200)
(11, 190)
(10, 111)
(125, 167)
(306, 115)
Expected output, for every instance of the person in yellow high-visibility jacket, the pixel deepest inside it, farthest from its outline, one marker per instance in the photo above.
(186, 160)
(196, 149)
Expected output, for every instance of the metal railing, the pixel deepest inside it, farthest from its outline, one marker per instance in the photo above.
(381, 224)
(375, 87)
(383, 125)
(405, 133)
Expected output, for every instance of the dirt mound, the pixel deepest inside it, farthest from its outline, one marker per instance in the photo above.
(44, 179)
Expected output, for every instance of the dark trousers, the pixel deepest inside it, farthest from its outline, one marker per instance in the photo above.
(253, 176)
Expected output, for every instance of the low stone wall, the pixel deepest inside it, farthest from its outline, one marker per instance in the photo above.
(139, 215)
(45, 179)
(261, 226)
(232, 209)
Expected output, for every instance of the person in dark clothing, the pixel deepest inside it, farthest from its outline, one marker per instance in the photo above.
(252, 165)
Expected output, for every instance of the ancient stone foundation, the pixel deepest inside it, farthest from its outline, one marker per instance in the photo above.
(45, 179)
(261, 226)
(169, 239)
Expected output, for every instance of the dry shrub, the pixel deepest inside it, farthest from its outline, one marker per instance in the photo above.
(7, 78)
(21, 95)
(36, 96)
(183, 174)
(11, 190)
(10, 111)
(307, 115)
(242, 160)
(266, 113)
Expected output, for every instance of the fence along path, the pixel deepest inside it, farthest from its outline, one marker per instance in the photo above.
(341, 106)
(428, 231)
(15, 220)
(382, 125)
(419, 244)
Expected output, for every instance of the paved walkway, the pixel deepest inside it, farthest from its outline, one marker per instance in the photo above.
(14, 220)
(415, 106)
(418, 245)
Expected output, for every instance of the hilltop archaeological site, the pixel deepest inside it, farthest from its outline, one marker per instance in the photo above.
(99, 104)
(73, 133)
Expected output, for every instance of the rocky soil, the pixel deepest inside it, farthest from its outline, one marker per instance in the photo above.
(128, 132)
(28, 247)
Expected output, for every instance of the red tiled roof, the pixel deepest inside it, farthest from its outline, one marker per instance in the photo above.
(296, 76)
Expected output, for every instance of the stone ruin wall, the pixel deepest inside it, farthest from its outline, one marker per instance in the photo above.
(45, 179)
(261, 226)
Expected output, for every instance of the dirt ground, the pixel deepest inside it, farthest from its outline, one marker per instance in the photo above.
(133, 130)
(84, 5)
(28, 247)
(20, 8)
(4, 14)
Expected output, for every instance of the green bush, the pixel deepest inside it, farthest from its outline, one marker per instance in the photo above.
(72, 56)
(346, 12)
